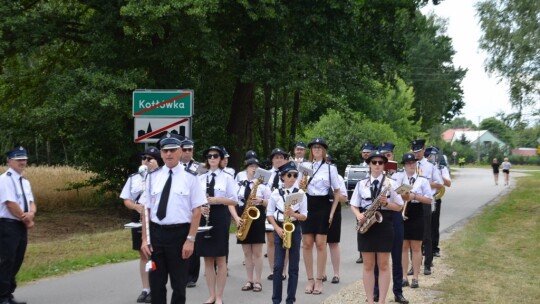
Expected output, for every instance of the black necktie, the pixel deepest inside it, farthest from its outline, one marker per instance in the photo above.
(247, 191)
(162, 208)
(24, 195)
(211, 184)
(411, 180)
(375, 189)
(275, 183)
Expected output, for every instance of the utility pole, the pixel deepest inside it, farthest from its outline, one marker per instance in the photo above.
(478, 143)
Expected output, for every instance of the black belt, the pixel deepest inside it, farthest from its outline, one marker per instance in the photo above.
(9, 220)
(172, 226)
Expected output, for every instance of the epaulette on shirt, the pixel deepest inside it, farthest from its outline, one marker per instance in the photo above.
(8, 173)
(400, 170)
(227, 173)
(133, 174)
(193, 168)
(157, 170)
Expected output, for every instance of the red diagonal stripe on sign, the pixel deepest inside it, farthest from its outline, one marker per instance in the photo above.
(160, 130)
(161, 103)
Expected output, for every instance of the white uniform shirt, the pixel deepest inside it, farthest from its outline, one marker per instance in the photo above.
(262, 190)
(342, 188)
(132, 188)
(421, 185)
(276, 204)
(224, 186)
(430, 172)
(10, 190)
(444, 172)
(271, 180)
(361, 196)
(186, 194)
(229, 171)
(241, 176)
(323, 178)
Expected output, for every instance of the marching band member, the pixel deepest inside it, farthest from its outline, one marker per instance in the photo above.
(221, 193)
(225, 163)
(240, 176)
(279, 157)
(131, 194)
(299, 153)
(377, 242)
(276, 213)
(387, 149)
(367, 148)
(174, 201)
(253, 243)
(427, 170)
(419, 196)
(440, 164)
(323, 184)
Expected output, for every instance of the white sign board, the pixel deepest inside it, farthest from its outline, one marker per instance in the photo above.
(150, 130)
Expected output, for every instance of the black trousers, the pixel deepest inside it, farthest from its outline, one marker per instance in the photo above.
(426, 241)
(435, 223)
(13, 241)
(167, 243)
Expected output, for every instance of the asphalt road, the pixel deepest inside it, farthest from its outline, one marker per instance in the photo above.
(120, 284)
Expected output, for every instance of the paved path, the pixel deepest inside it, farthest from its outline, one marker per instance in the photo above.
(119, 283)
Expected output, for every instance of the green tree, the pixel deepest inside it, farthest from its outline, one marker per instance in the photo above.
(510, 37)
(498, 128)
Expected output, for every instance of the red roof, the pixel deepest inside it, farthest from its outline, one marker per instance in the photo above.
(449, 134)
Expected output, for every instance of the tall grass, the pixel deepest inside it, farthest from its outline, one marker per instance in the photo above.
(49, 184)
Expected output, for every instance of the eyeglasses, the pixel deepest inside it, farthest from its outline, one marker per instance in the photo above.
(187, 149)
(213, 155)
(144, 157)
(289, 175)
(169, 150)
(377, 162)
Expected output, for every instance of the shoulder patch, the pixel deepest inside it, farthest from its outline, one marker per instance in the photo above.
(193, 168)
(8, 173)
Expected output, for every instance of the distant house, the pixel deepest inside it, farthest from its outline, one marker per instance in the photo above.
(524, 151)
(483, 137)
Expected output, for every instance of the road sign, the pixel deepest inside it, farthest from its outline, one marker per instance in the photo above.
(163, 103)
(150, 130)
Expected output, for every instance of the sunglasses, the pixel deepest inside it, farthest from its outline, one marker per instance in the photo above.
(187, 149)
(146, 158)
(213, 155)
(377, 162)
(289, 175)
(169, 150)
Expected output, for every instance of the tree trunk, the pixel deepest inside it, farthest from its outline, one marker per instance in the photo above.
(240, 124)
(294, 117)
(267, 133)
(284, 137)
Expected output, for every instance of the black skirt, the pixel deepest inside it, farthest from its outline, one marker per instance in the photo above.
(215, 242)
(318, 215)
(380, 237)
(256, 233)
(334, 232)
(414, 225)
(136, 233)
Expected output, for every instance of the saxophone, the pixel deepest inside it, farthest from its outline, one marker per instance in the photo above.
(288, 226)
(250, 212)
(372, 214)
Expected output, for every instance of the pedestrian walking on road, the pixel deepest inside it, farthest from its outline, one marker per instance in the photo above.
(506, 165)
(495, 165)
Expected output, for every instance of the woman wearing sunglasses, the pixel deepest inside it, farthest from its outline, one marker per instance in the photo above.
(214, 246)
(276, 214)
(252, 245)
(323, 185)
(131, 194)
(376, 243)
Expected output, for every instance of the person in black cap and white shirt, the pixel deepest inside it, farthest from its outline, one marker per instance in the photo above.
(221, 192)
(17, 211)
(419, 196)
(320, 187)
(131, 194)
(279, 157)
(275, 214)
(376, 244)
(174, 197)
(429, 171)
(367, 148)
(299, 153)
(240, 176)
(225, 163)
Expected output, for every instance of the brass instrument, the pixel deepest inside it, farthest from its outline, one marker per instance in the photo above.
(288, 226)
(250, 212)
(306, 173)
(372, 214)
(439, 193)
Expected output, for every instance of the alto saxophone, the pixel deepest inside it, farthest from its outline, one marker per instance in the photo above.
(288, 226)
(250, 212)
(372, 213)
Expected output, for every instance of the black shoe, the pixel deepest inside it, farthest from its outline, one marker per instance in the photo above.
(4, 301)
(283, 277)
(405, 283)
(335, 280)
(427, 270)
(270, 277)
(324, 278)
(414, 283)
(359, 261)
(437, 254)
(401, 299)
(142, 296)
(148, 298)
(191, 284)
(375, 298)
(410, 272)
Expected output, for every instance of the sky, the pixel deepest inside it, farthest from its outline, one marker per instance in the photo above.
(484, 95)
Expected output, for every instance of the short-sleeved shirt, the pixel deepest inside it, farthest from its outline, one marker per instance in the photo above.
(430, 172)
(324, 177)
(362, 198)
(10, 190)
(186, 194)
(421, 184)
(224, 186)
(276, 204)
(262, 190)
(132, 188)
